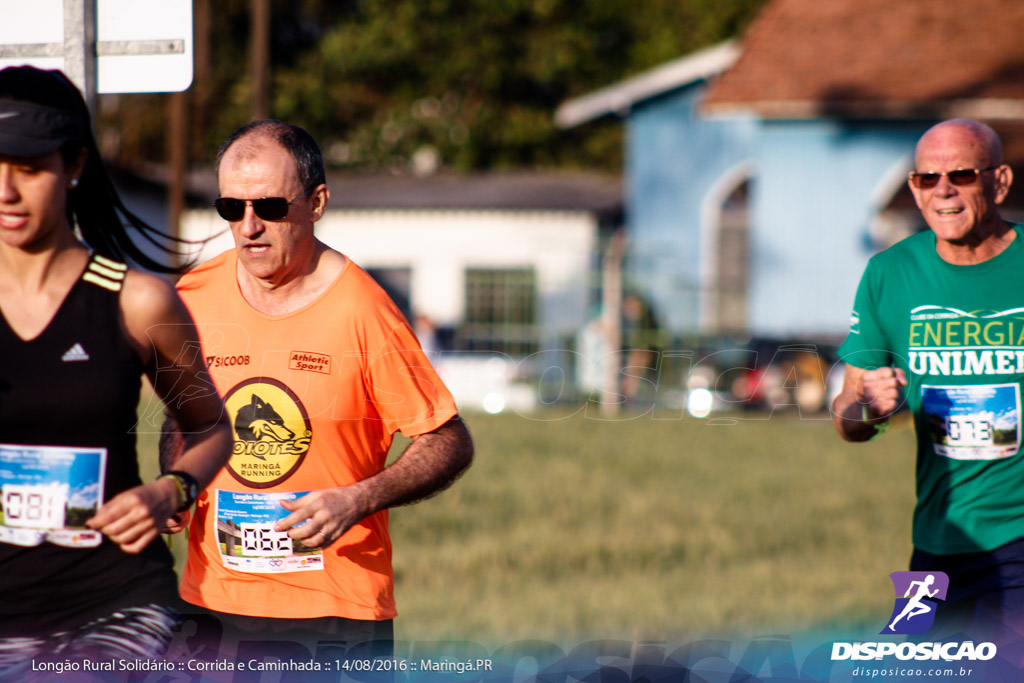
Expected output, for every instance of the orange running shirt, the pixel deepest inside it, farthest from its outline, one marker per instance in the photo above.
(314, 398)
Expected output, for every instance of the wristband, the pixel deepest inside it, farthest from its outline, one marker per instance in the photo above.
(879, 428)
(187, 486)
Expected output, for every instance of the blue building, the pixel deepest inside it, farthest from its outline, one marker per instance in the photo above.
(761, 174)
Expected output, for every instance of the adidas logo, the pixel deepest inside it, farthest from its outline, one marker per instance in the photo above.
(75, 353)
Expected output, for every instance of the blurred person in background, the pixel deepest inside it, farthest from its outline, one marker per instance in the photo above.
(642, 345)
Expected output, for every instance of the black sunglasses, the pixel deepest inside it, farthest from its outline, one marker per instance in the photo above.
(267, 208)
(961, 176)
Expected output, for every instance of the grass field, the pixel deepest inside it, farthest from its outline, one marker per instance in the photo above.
(572, 528)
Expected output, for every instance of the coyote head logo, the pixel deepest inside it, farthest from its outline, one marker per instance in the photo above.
(258, 421)
(272, 432)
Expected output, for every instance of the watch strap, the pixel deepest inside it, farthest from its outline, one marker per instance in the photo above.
(187, 486)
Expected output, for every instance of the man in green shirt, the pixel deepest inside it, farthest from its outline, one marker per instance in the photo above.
(938, 324)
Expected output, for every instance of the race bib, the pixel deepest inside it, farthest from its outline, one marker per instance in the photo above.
(48, 492)
(979, 422)
(246, 536)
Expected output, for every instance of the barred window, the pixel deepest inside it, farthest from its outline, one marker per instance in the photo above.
(501, 311)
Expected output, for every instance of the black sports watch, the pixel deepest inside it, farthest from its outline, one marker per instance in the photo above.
(187, 485)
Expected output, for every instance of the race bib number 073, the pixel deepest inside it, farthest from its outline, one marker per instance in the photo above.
(979, 422)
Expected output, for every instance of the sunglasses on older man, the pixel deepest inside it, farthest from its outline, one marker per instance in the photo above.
(266, 208)
(961, 177)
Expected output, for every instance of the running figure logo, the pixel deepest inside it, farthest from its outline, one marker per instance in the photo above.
(914, 613)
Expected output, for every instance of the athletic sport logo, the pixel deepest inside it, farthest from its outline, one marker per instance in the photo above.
(272, 432)
(916, 596)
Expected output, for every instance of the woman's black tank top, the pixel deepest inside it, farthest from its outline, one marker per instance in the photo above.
(77, 384)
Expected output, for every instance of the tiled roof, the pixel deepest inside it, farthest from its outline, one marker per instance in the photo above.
(879, 58)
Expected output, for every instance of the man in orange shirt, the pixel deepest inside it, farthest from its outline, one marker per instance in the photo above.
(319, 370)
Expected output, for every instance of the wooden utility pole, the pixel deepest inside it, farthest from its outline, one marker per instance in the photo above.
(611, 288)
(177, 143)
(202, 82)
(178, 108)
(260, 58)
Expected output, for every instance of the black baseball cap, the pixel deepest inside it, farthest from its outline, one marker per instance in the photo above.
(30, 130)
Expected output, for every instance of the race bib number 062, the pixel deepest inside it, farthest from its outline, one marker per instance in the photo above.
(247, 539)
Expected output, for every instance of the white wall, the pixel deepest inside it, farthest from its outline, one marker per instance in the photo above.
(439, 246)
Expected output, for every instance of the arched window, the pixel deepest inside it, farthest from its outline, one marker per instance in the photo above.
(732, 261)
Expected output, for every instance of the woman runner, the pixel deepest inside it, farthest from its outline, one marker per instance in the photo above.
(83, 572)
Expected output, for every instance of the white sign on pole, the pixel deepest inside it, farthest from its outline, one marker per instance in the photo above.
(143, 45)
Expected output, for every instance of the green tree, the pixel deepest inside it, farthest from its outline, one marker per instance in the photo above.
(471, 84)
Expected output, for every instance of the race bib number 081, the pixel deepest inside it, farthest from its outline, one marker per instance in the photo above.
(34, 505)
(47, 493)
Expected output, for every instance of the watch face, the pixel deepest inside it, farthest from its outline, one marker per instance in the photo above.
(191, 491)
(189, 488)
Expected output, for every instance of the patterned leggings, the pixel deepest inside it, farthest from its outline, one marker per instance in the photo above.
(134, 633)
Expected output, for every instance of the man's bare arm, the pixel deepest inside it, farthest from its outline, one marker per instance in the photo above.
(429, 465)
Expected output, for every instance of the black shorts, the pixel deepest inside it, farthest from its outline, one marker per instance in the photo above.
(986, 591)
(345, 637)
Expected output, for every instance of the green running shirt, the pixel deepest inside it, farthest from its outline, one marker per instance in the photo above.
(958, 333)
